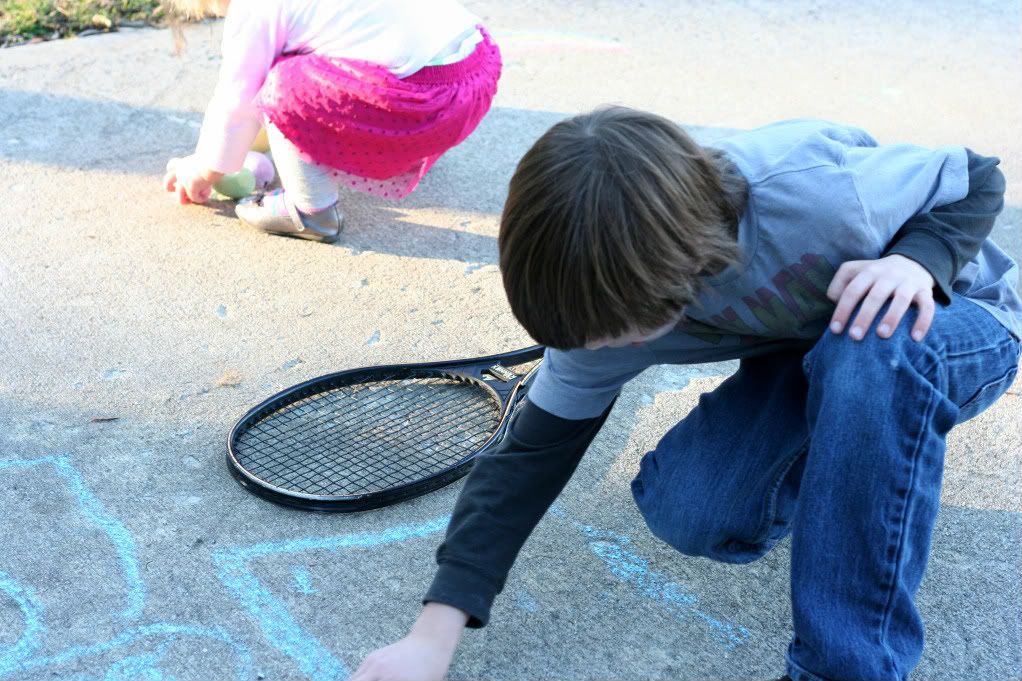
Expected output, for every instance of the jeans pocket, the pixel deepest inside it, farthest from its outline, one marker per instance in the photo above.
(986, 396)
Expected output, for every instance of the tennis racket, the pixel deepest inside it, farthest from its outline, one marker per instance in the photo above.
(366, 438)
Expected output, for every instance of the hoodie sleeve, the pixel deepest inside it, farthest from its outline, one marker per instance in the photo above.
(508, 491)
(945, 238)
(935, 206)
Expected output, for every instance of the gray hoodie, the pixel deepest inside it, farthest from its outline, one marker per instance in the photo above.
(820, 194)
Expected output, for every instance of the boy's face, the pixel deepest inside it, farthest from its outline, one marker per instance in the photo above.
(634, 337)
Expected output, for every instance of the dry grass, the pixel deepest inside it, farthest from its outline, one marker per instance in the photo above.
(34, 20)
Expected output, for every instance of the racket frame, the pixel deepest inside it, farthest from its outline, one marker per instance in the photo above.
(485, 372)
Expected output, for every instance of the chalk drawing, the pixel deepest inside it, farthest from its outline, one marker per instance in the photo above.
(33, 629)
(184, 121)
(138, 665)
(633, 569)
(279, 627)
(303, 580)
(525, 601)
(275, 621)
(142, 666)
(23, 656)
(119, 536)
(316, 661)
(525, 42)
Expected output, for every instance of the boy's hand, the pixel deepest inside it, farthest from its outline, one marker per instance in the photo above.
(413, 658)
(896, 278)
(189, 180)
(424, 654)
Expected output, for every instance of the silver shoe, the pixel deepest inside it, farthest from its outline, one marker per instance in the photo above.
(324, 225)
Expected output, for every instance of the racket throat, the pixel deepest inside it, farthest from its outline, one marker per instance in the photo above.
(501, 373)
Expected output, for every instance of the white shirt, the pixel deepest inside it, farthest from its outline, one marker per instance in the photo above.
(401, 35)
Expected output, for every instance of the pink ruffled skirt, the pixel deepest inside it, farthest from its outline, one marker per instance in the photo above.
(378, 133)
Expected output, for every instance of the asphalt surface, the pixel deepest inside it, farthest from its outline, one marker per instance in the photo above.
(135, 332)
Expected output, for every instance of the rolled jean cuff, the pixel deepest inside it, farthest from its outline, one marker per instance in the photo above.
(796, 673)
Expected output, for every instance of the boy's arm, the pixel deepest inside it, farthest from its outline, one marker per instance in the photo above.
(933, 209)
(945, 238)
(505, 496)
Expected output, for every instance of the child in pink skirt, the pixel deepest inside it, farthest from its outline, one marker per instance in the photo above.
(364, 93)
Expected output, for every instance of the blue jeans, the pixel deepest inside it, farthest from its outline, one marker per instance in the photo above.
(843, 448)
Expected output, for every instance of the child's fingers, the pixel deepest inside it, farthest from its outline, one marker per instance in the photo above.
(924, 301)
(903, 297)
(170, 175)
(850, 296)
(198, 191)
(842, 277)
(182, 194)
(879, 293)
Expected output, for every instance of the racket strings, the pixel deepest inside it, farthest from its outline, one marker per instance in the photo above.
(378, 434)
(362, 438)
(311, 433)
(297, 428)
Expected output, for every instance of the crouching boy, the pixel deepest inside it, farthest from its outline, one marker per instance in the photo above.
(870, 312)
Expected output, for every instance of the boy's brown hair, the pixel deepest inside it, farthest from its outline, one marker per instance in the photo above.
(612, 218)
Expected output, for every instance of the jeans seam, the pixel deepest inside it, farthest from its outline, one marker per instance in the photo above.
(770, 508)
(903, 511)
(795, 671)
(975, 351)
(1008, 377)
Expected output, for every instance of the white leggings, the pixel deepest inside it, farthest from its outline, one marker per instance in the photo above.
(309, 187)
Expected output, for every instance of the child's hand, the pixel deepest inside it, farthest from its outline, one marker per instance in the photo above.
(424, 654)
(413, 658)
(189, 180)
(896, 278)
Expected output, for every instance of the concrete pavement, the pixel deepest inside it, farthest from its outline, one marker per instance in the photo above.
(128, 552)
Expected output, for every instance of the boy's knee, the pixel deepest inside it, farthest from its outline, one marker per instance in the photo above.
(662, 507)
(843, 363)
(692, 524)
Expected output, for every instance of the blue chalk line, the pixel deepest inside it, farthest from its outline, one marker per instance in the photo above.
(119, 536)
(276, 622)
(31, 635)
(142, 666)
(633, 569)
(525, 601)
(303, 580)
(170, 631)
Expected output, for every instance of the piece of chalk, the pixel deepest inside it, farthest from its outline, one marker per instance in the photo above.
(262, 167)
(237, 185)
(261, 143)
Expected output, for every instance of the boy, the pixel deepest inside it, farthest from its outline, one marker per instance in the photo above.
(813, 255)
